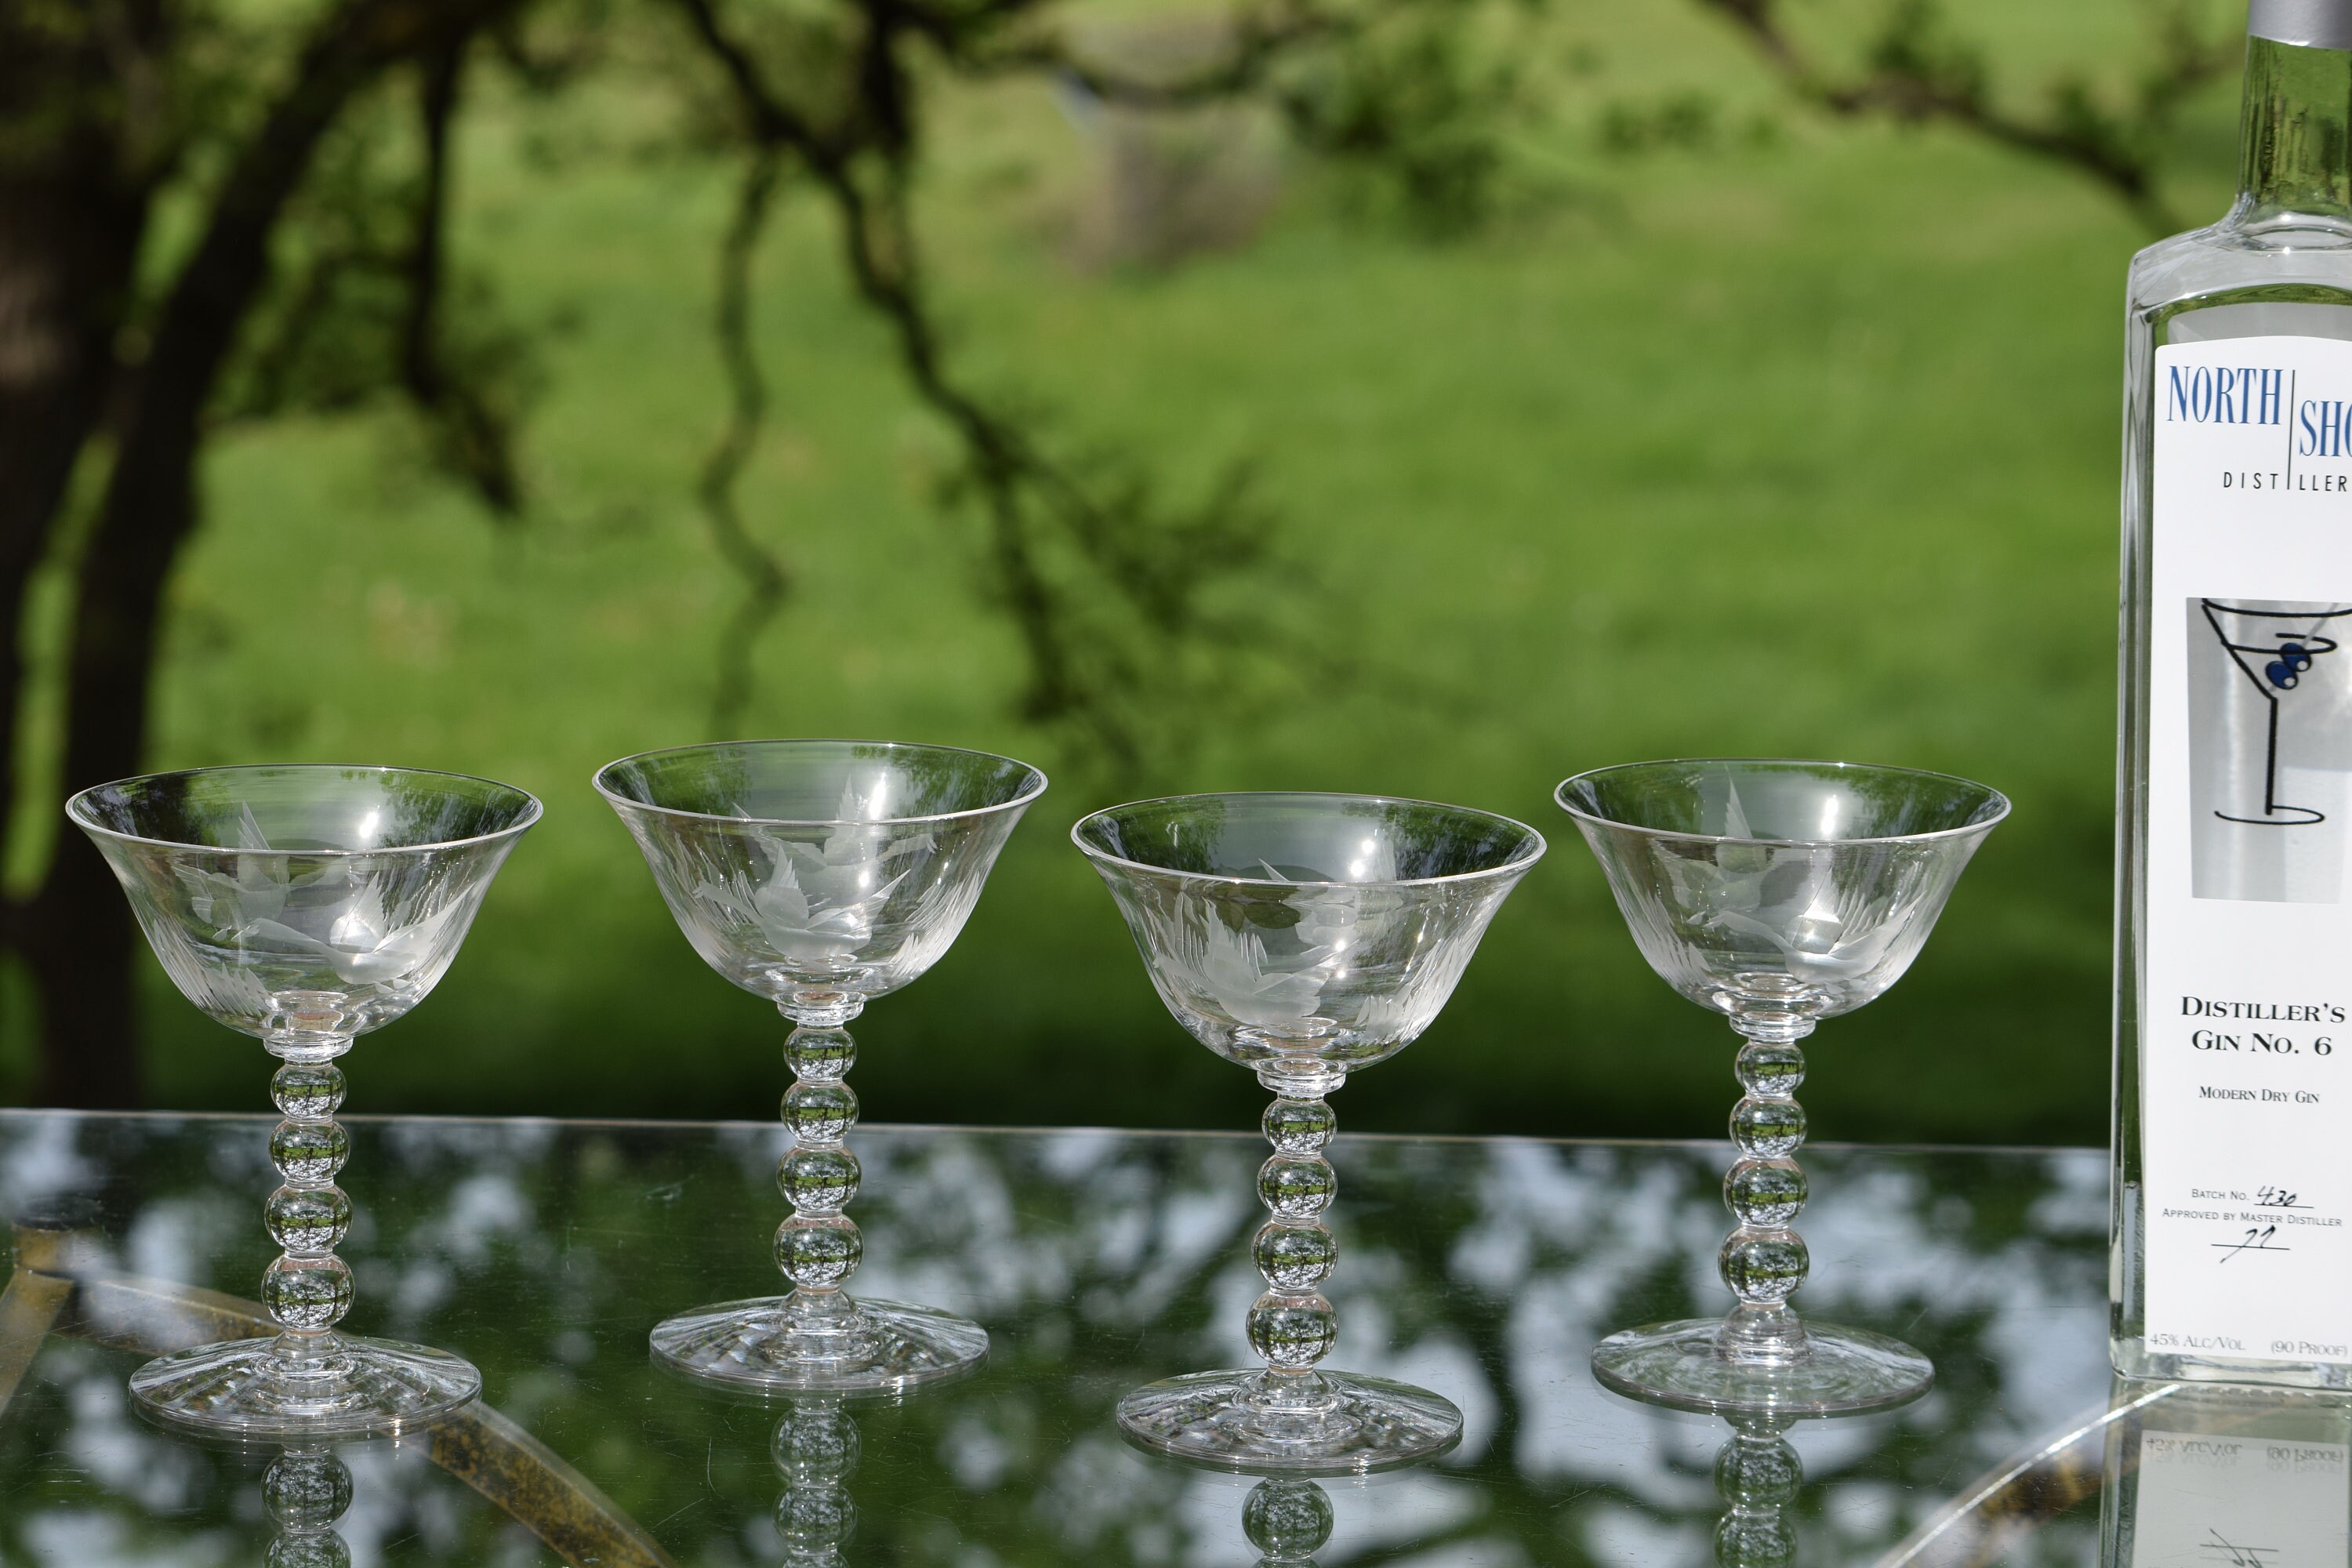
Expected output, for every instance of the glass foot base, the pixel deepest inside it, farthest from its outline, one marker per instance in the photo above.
(1849, 1370)
(353, 1387)
(1221, 1419)
(875, 1346)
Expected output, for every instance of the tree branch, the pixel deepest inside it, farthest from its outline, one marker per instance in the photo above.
(470, 436)
(1084, 667)
(73, 214)
(149, 504)
(999, 462)
(1915, 76)
(78, 927)
(765, 580)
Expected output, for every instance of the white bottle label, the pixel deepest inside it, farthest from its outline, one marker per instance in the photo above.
(2220, 1502)
(2246, 1000)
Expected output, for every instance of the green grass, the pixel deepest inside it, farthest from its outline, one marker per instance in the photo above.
(1800, 445)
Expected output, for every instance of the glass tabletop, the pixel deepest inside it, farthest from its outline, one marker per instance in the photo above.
(1484, 1269)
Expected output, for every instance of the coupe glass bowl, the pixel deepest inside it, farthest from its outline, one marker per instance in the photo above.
(1778, 894)
(820, 874)
(305, 906)
(1305, 937)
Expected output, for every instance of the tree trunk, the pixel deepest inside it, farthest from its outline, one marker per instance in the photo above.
(76, 933)
(72, 212)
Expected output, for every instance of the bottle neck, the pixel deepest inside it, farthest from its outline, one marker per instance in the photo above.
(2294, 140)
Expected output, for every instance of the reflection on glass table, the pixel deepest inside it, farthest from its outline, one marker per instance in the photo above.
(1484, 1270)
(815, 1450)
(306, 1489)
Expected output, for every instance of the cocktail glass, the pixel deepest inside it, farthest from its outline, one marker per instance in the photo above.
(820, 874)
(1776, 893)
(305, 906)
(1305, 937)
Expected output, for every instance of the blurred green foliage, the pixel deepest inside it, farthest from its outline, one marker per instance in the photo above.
(1732, 430)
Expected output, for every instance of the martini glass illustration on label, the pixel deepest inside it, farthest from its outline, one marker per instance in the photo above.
(305, 906)
(1305, 937)
(820, 874)
(2274, 645)
(1778, 894)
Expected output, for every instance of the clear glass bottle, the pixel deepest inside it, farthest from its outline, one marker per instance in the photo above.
(2233, 958)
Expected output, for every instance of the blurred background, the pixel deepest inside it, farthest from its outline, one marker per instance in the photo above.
(1434, 397)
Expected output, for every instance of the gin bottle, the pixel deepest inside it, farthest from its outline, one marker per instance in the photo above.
(2233, 1184)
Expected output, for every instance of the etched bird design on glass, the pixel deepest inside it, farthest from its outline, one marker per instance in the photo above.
(815, 905)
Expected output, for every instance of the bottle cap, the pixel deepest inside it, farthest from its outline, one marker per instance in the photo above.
(2316, 23)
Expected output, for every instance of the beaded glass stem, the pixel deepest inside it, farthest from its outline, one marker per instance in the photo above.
(311, 1378)
(819, 874)
(308, 1289)
(818, 1336)
(819, 1247)
(1293, 1326)
(1290, 1414)
(1763, 1259)
(1307, 936)
(1776, 893)
(305, 906)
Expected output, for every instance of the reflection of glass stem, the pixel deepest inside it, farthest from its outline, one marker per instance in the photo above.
(819, 1247)
(1288, 1521)
(1758, 1474)
(1763, 1260)
(305, 1490)
(815, 1450)
(2283, 653)
(308, 1289)
(1292, 1325)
